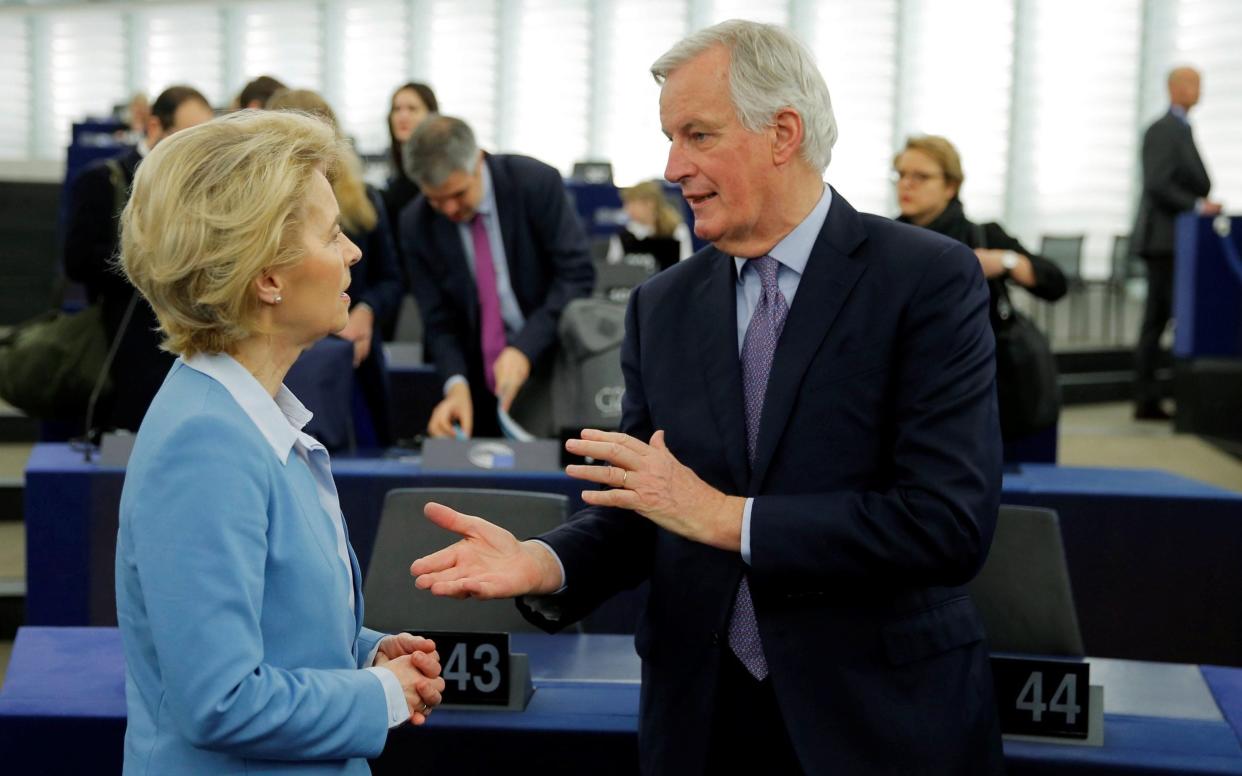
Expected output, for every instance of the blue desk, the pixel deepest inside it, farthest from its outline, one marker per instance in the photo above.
(71, 522)
(62, 710)
(1154, 559)
(1153, 556)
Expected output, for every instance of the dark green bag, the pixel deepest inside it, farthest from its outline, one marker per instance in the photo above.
(55, 365)
(49, 365)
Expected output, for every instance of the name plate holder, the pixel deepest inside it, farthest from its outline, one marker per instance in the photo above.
(1048, 701)
(480, 672)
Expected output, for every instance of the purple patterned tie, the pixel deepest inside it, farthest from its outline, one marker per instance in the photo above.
(758, 348)
(491, 327)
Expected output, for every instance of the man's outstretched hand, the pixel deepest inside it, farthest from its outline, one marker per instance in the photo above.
(488, 562)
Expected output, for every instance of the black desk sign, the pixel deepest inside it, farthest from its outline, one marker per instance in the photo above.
(479, 671)
(1047, 698)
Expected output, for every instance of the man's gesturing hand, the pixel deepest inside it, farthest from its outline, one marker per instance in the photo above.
(488, 562)
(646, 478)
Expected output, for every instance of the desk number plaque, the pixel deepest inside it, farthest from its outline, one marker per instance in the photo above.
(480, 673)
(1048, 700)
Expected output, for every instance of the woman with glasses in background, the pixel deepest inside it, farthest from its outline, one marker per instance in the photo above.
(928, 176)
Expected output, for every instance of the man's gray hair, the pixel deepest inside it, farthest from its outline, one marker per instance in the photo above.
(441, 146)
(769, 69)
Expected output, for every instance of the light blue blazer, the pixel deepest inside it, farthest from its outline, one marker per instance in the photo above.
(241, 652)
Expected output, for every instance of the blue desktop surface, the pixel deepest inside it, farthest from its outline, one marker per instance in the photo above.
(62, 710)
(1153, 556)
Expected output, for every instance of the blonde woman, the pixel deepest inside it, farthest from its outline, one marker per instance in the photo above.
(655, 227)
(376, 286)
(238, 595)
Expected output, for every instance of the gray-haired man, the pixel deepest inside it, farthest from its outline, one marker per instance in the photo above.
(809, 467)
(496, 252)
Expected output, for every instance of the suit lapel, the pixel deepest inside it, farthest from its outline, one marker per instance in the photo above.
(822, 292)
(719, 364)
(448, 237)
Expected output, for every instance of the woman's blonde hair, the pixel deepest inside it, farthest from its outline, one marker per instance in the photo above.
(668, 217)
(942, 152)
(215, 206)
(357, 212)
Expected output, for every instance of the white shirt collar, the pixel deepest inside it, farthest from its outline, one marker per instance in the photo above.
(794, 249)
(639, 230)
(280, 420)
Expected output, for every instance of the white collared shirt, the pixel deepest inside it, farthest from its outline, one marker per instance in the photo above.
(281, 420)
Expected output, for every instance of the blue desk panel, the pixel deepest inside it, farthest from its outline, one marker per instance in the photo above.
(62, 710)
(1153, 556)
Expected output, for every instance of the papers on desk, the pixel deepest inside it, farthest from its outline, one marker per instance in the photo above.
(511, 428)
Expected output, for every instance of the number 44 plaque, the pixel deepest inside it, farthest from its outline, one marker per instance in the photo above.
(1048, 700)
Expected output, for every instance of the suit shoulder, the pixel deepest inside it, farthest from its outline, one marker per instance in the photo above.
(1162, 129)
(895, 241)
(524, 170)
(415, 214)
(679, 278)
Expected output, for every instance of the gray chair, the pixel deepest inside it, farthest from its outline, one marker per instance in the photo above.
(1023, 591)
(1125, 267)
(614, 282)
(392, 601)
(1066, 253)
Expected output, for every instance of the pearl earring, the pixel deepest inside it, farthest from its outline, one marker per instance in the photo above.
(278, 299)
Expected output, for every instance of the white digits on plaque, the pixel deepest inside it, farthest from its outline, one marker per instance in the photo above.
(1034, 687)
(455, 669)
(491, 666)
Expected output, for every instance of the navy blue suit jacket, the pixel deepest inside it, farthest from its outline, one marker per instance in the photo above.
(876, 486)
(548, 258)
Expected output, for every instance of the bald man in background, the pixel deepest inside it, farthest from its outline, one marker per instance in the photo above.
(1174, 181)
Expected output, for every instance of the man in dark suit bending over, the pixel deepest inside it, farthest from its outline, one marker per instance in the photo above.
(1174, 181)
(809, 463)
(496, 253)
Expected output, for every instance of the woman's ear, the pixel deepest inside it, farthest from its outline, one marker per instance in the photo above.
(788, 133)
(267, 287)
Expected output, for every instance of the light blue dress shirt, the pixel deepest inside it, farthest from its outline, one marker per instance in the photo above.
(281, 422)
(792, 253)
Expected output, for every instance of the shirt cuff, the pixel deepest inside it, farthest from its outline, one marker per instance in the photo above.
(545, 605)
(394, 696)
(750, 504)
(559, 565)
(454, 380)
(370, 661)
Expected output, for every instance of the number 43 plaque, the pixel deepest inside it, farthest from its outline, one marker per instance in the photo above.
(480, 672)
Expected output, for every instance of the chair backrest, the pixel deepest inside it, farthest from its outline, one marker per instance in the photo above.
(393, 603)
(615, 281)
(587, 383)
(1023, 591)
(1065, 252)
(1125, 264)
(409, 326)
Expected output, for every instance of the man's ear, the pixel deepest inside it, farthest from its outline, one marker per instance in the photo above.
(787, 135)
(155, 131)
